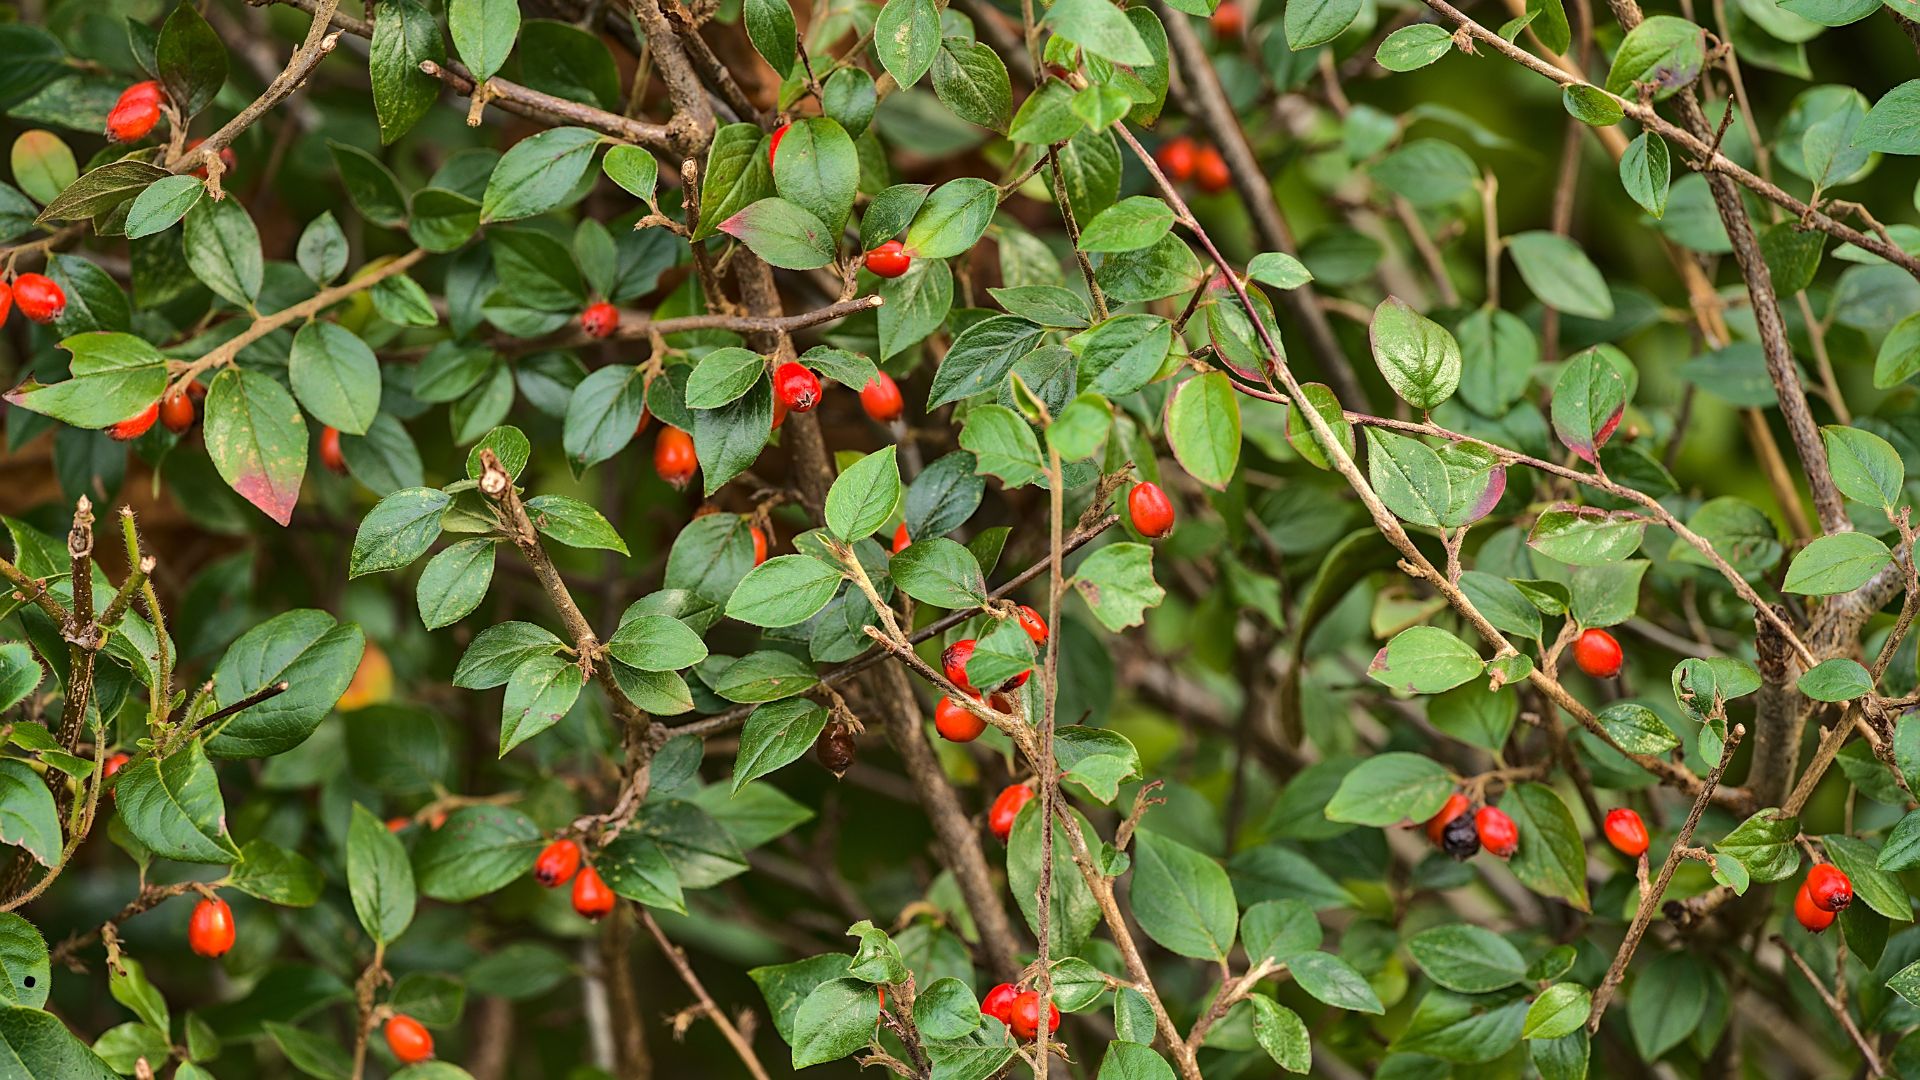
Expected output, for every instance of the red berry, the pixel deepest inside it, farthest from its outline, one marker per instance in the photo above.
(779, 413)
(1229, 20)
(1151, 509)
(1811, 915)
(330, 454)
(880, 398)
(557, 864)
(113, 765)
(999, 1002)
(640, 427)
(1176, 158)
(1034, 625)
(210, 930)
(227, 160)
(901, 539)
(759, 544)
(6, 301)
(129, 121)
(1626, 832)
(142, 91)
(177, 412)
(398, 824)
(1005, 808)
(1025, 1021)
(773, 147)
(1498, 834)
(136, 425)
(599, 320)
(954, 723)
(953, 663)
(40, 297)
(1455, 805)
(591, 897)
(1829, 887)
(409, 1039)
(1210, 172)
(673, 456)
(1597, 653)
(796, 387)
(889, 260)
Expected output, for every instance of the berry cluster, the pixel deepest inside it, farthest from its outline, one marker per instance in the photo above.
(1184, 160)
(1462, 834)
(1019, 1010)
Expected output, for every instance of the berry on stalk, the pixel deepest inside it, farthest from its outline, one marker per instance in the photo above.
(557, 864)
(40, 297)
(1597, 653)
(889, 260)
(1005, 808)
(409, 1040)
(1626, 832)
(600, 320)
(1151, 509)
(1498, 833)
(1829, 887)
(591, 897)
(881, 399)
(210, 928)
(954, 723)
(796, 387)
(673, 456)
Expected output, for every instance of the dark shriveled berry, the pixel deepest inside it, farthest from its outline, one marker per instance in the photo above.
(835, 749)
(1460, 839)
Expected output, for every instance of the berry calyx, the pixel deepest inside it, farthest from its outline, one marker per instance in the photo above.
(1151, 509)
(210, 928)
(1228, 20)
(759, 544)
(881, 399)
(1811, 915)
(136, 425)
(953, 663)
(330, 455)
(1210, 172)
(889, 260)
(591, 897)
(954, 723)
(1455, 806)
(40, 297)
(557, 864)
(901, 539)
(773, 146)
(1035, 626)
(673, 456)
(1006, 806)
(1498, 834)
(1176, 157)
(599, 320)
(1829, 887)
(409, 1039)
(1597, 653)
(1626, 832)
(796, 387)
(999, 1002)
(177, 412)
(1025, 1019)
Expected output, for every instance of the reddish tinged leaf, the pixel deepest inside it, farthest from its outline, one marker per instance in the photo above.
(258, 440)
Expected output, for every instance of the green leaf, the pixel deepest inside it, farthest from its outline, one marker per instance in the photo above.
(1636, 728)
(190, 59)
(835, 1020)
(947, 1009)
(1588, 400)
(1182, 898)
(1880, 890)
(1413, 47)
(318, 1056)
(371, 188)
(1591, 105)
(1332, 980)
(906, 37)
(1101, 29)
(631, 167)
(1409, 477)
(776, 734)
(405, 34)
(1316, 22)
(398, 530)
(784, 591)
(970, 79)
(1003, 445)
(737, 174)
(538, 173)
(269, 872)
(1667, 1004)
(783, 234)
(166, 201)
(1282, 1034)
(955, 215)
(1128, 225)
(479, 850)
(306, 649)
(378, 876)
(771, 28)
(1466, 958)
(19, 673)
(1586, 536)
(573, 523)
(454, 582)
(1890, 126)
(335, 376)
(41, 1048)
(1865, 467)
(1133, 1061)
(539, 694)
(1836, 564)
(174, 807)
(1560, 274)
(1560, 1010)
(1389, 788)
(1839, 679)
(1419, 358)
(483, 34)
(1117, 584)
(940, 572)
(1645, 172)
(767, 675)
(27, 817)
(1663, 53)
(1552, 858)
(113, 376)
(656, 643)
(864, 495)
(26, 975)
(257, 440)
(818, 169)
(1425, 660)
(101, 190)
(1764, 844)
(1203, 428)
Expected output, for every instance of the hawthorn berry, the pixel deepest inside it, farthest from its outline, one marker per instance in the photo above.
(136, 425)
(889, 260)
(673, 456)
(113, 765)
(330, 455)
(836, 749)
(1498, 834)
(1176, 157)
(881, 399)
(210, 928)
(796, 387)
(591, 897)
(599, 320)
(6, 301)
(1210, 172)
(1006, 806)
(1811, 915)
(1025, 1019)
(773, 146)
(40, 297)
(557, 864)
(409, 1039)
(900, 539)
(1829, 887)
(135, 114)
(1455, 806)
(1035, 626)
(1228, 20)
(177, 412)
(1597, 653)
(999, 1002)
(1151, 509)
(759, 544)
(1626, 832)
(954, 723)
(953, 663)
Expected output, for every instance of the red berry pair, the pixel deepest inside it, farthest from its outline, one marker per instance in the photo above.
(136, 113)
(1826, 892)
(559, 863)
(1182, 160)
(1019, 1010)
